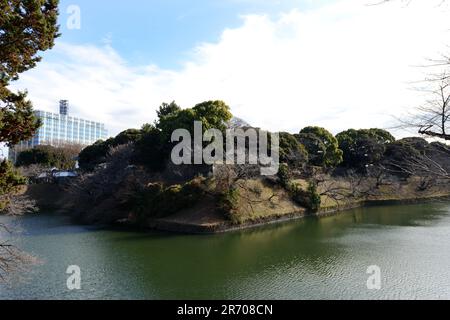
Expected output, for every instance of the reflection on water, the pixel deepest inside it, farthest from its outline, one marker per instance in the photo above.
(306, 259)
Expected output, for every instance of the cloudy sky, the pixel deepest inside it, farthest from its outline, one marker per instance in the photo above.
(280, 64)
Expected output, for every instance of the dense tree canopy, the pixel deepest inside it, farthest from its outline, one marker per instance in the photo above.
(48, 156)
(154, 148)
(292, 152)
(10, 179)
(363, 147)
(151, 149)
(167, 109)
(96, 154)
(212, 114)
(322, 146)
(26, 27)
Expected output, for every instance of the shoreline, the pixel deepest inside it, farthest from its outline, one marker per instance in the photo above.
(223, 226)
(196, 229)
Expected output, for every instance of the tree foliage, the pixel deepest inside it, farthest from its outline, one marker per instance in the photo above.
(292, 152)
(97, 153)
(153, 149)
(363, 147)
(153, 142)
(48, 156)
(212, 114)
(26, 27)
(156, 201)
(322, 147)
(10, 179)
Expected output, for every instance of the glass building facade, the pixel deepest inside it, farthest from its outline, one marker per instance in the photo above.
(60, 129)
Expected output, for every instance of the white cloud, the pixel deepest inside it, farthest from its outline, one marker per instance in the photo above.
(340, 66)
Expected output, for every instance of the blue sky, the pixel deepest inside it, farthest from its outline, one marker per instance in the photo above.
(279, 65)
(164, 31)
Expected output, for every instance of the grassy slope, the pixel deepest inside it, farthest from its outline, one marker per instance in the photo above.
(255, 206)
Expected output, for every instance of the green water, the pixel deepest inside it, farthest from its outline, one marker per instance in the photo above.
(306, 259)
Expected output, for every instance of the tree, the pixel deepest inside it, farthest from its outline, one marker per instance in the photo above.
(49, 156)
(26, 27)
(167, 109)
(292, 152)
(153, 149)
(363, 147)
(432, 119)
(9, 181)
(96, 153)
(322, 147)
(416, 157)
(212, 114)
(127, 136)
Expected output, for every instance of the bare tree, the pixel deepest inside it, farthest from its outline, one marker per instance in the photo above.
(423, 166)
(432, 118)
(349, 188)
(33, 170)
(239, 178)
(13, 259)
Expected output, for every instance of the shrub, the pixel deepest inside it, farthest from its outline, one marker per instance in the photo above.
(157, 201)
(284, 175)
(228, 204)
(315, 199)
(309, 198)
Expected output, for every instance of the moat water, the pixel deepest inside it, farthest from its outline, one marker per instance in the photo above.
(306, 259)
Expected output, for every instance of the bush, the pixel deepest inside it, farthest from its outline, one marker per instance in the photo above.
(315, 199)
(157, 201)
(284, 175)
(228, 204)
(309, 198)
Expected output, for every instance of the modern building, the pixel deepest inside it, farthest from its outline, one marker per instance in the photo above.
(60, 129)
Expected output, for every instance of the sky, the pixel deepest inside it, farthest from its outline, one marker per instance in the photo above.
(280, 65)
